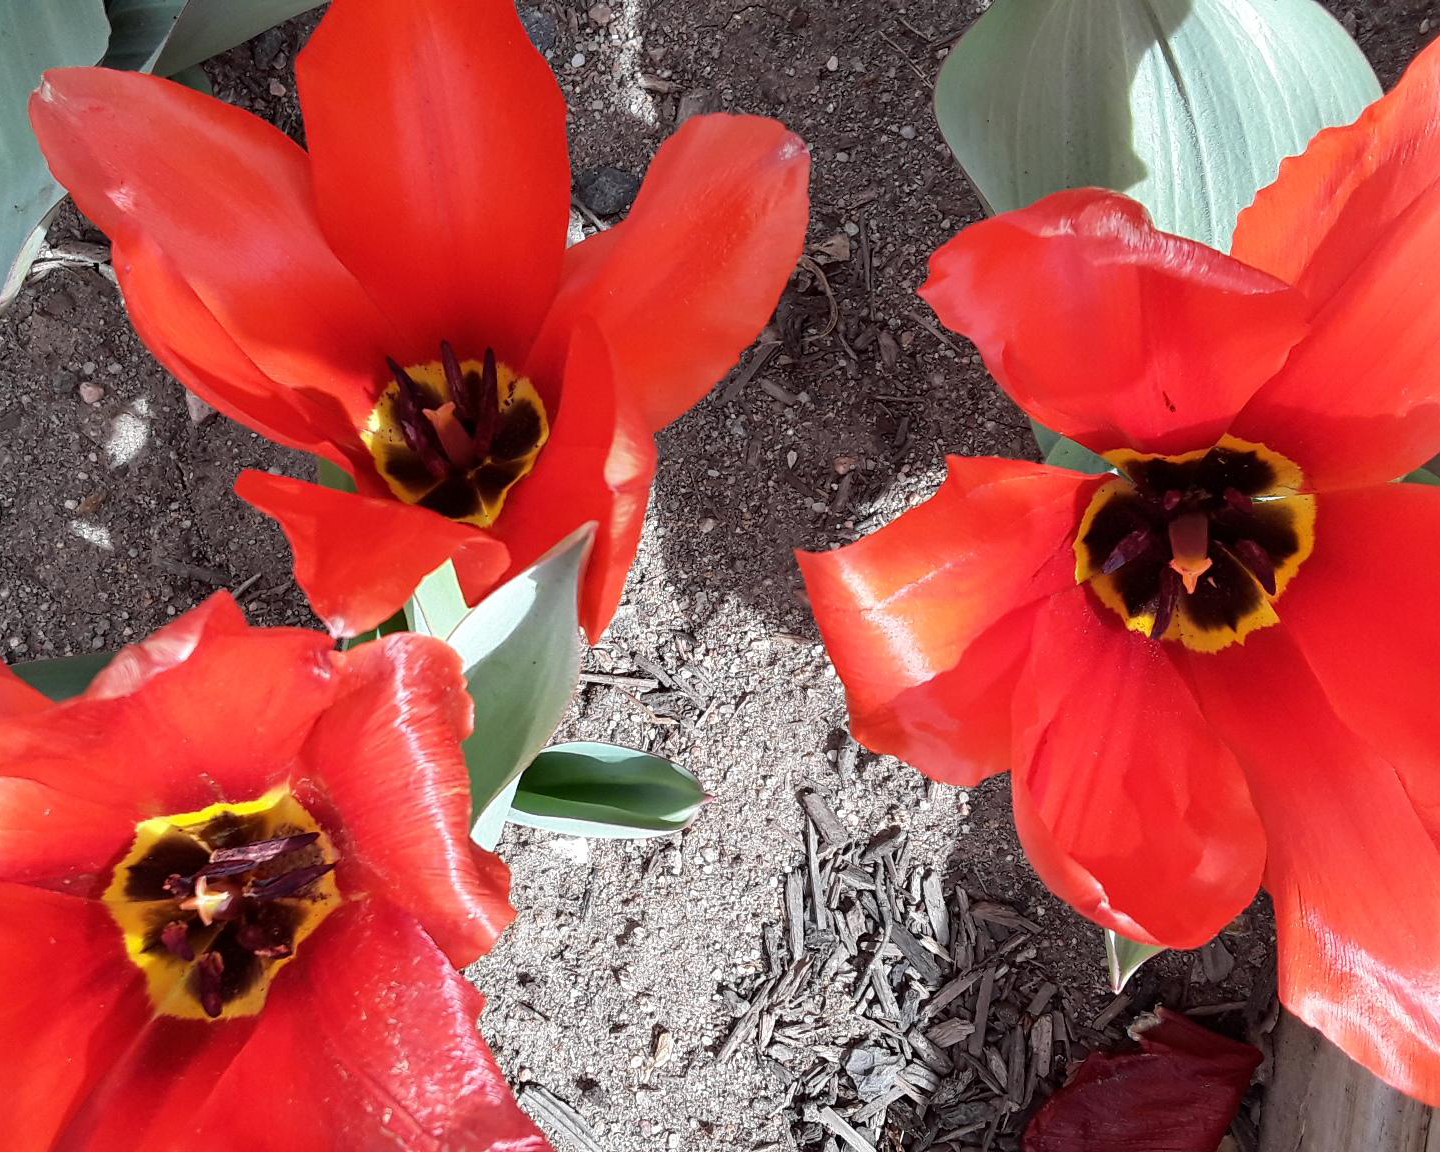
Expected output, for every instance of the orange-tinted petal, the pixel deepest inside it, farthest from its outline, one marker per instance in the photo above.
(1332, 205)
(912, 614)
(359, 558)
(368, 1040)
(1108, 331)
(689, 279)
(172, 645)
(1353, 863)
(597, 465)
(17, 697)
(227, 199)
(72, 1004)
(437, 140)
(1127, 805)
(385, 759)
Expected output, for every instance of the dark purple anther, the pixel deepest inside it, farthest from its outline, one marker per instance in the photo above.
(1136, 544)
(1170, 585)
(207, 975)
(288, 883)
(176, 938)
(419, 433)
(233, 861)
(487, 423)
(465, 401)
(1171, 499)
(1258, 561)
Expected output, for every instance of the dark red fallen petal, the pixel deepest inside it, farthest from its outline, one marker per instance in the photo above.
(1179, 1093)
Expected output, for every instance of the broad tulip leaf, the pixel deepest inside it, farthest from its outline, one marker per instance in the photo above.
(438, 604)
(1187, 105)
(169, 36)
(490, 825)
(331, 475)
(1124, 957)
(1423, 476)
(1066, 453)
(65, 676)
(521, 651)
(34, 35)
(601, 790)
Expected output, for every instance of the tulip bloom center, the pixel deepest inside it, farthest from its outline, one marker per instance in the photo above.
(1197, 548)
(455, 436)
(213, 903)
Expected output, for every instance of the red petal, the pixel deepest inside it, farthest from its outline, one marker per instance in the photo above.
(1353, 862)
(227, 199)
(359, 558)
(1361, 609)
(909, 613)
(80, 776)
(1127, 805)
(185, 336)
(173, 644)
(368, 1040)
(71, 1006)
(385, 761)
(1108, 331)
(1179, 1093)
(597, 465)
(437, 141)
(17, 697)
(692, 275)
(1335, 203)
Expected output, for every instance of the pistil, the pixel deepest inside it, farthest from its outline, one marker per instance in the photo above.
(1190, 548)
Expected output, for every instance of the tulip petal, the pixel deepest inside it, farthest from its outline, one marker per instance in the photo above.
(72, 1004)
(1127, 805)
(386, 759)
(172, 645)
(689, 279)
(359, 558)
(227, 199)
(437, 140)
(923, 618)
(1108, 331)
(369, 1040)
(1353, 863)
(17, 697)
(597, 465)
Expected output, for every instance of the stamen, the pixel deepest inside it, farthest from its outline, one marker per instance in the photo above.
(487, 422)
(1134, 545)
(460, 393)
(1165, 604)
(208, 972)
(1238, 500)
(176, 938)
(453, 437)
(232, 861)
(1258, 561)
(210, 905)
(1171, 499)
(417, 430)
(288, 883)
(1190, 548)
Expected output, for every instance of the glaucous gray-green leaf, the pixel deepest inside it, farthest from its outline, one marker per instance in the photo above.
(65, 676)
(34, 35)
(490, 824)
(1423, 476)
(1124, 957)
(1187, 105)
(602, 790)
(438, 604)
(1066, 453)
(169, 36)
(521, 650)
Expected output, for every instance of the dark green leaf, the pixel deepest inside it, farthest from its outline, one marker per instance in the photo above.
(1068, 454)
(333, 476)
(34, 35)
(138, 29)
(1423, 476)
(65, 676)
(1187, 105)
(604, 790)
(206, 28)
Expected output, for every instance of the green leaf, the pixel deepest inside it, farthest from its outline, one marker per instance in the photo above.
(1124, 957)
(1045, 438)
(1422, 476)
(438, 605)
(1068, 454)
(396, 623)
(1186, 105)
(491, 823)
(331, 475)
(603, 790)
(65, 676)
(521, 651)
(194, 77)
(34, 35)
(168, 37)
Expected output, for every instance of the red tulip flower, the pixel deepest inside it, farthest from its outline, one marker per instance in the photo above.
(235, 879)
(399, 300)
(1220, 661)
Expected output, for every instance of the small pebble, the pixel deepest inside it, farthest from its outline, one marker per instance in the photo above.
(91, 393)
(577, 60)
(832, 64)
(907, 132)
